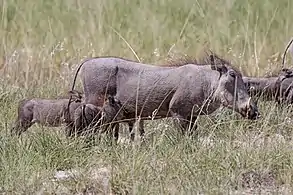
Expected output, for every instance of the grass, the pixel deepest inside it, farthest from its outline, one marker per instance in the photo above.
(43, 41)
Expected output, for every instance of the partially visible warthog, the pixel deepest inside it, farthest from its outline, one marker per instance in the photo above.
(283, 84)
(47, 112)
(285, 92)
(184, 92)
(257, 86)
(270, 88)
(261, 87)
(276, 88)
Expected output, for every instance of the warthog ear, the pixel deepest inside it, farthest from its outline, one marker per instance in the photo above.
(218, 67)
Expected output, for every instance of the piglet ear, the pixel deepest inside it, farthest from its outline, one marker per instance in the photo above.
(75, 93)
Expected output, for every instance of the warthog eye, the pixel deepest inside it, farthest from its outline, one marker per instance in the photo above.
(232, 74)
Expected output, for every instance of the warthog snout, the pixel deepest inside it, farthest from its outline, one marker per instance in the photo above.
(250, 110)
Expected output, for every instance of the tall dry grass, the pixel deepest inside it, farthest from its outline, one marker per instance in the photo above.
(43, 41)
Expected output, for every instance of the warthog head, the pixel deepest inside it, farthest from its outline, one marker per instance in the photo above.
(88, 117)
(231, 90)
(112, 110)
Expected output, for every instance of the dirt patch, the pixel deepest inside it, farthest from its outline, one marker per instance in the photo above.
(254, 179)
(95, 180)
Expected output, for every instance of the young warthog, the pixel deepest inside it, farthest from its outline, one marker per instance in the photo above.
(270, 88)
(47, 112)
(88, 118)
(276, 88)
(183, 92)
(261, 87)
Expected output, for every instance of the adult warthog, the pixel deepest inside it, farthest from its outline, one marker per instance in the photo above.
(46, 112)
(183, 92)
(98, 77)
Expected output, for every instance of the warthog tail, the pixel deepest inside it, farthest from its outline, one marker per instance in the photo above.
(277, 89)
(74, 81)
(285, 52)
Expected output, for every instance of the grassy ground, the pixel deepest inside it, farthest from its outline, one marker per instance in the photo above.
(43, 41)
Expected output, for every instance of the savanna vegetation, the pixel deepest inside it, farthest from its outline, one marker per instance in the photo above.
(41, 44)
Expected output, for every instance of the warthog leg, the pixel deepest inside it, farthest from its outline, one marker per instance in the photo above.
(187, 127)
(115, 132)
(192, 126)
(112, 130)
(289, 97)
(140, 127)
(182, 115)
(69, 129)
(131, 132)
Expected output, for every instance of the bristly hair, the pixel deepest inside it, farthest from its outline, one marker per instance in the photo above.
(180, 61)
(274, 73)
(218, 60)
(205, 60)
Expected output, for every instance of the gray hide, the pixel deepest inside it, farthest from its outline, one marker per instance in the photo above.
(182, 92)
